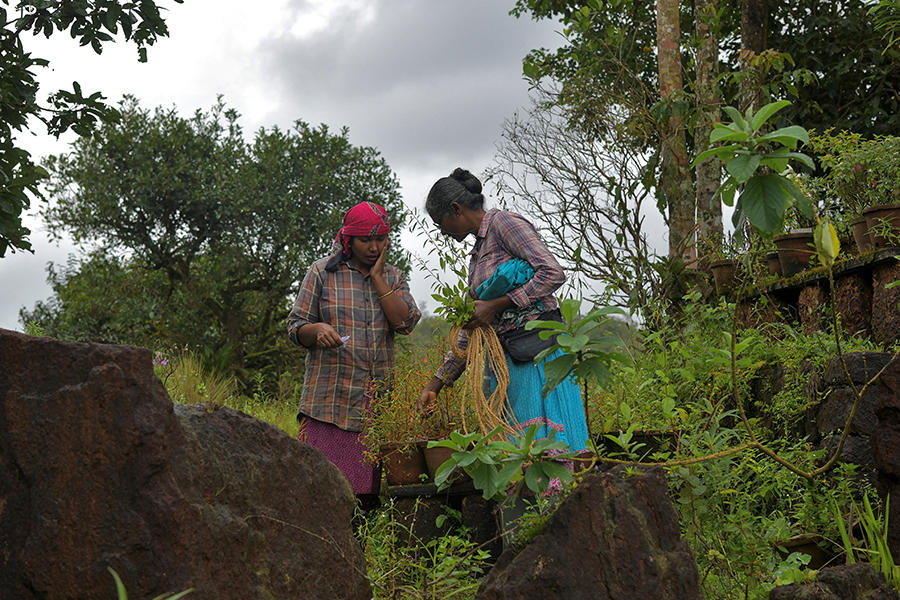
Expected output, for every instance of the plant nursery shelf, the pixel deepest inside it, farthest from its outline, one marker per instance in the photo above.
(862, 296)
(787, 286)
(463, 488)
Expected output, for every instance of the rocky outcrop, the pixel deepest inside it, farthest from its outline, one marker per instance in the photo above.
(614, 537)
(886, 446)
(847, 582)
(98, 469)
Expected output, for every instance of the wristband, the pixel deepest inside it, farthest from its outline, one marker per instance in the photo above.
(386, 294)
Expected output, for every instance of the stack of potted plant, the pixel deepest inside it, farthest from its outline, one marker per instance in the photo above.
(864, 180)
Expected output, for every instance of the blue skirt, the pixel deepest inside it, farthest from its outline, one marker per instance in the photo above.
(562, 409)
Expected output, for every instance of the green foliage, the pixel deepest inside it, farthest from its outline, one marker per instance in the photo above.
(736, 510)
(187, 381)
(858, 172)
(455, 305)
(585, 356)
(887, 21)
(403, 567)
(199, 237)
(92, 22)
(495, 465)
(857, 82)
(755, 160)
(874, 547)
(122, 594)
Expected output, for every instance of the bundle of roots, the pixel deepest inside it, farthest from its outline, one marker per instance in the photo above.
(483, 348)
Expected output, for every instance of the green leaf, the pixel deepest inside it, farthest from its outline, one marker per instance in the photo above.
(777, 163)
(556, 371)
(554, 469)
(787, 136)
(569, 309)
(766, 112)
(764, 200)
(550, 326)
(443, 473)
(726, 135)
(120, 587)
(737, 117)
(743, 166)
(484, 478)
(721, 150)
(534, 479)
(571, 343)
(727, 192)
(510, 470)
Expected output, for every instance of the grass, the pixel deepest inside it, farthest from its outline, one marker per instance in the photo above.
(188, 382)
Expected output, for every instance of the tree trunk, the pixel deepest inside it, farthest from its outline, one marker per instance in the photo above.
(709, 172)
(754, 40)
(675, 185)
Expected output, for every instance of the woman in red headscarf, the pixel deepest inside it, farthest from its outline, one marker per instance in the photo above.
(349, 307)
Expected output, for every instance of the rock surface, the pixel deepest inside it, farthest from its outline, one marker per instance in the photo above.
(847, 582)
(613, 538)
(98, 469)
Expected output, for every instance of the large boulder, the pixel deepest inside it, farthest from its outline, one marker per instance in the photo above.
(846, 582)
(616, 537)
(98, 469)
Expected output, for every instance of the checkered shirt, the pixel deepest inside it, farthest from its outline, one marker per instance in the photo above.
(337, 380)
(505, 235)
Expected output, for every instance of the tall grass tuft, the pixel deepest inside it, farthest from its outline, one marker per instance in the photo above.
(188, 382)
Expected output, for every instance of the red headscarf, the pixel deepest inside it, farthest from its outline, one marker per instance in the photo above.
(364, 219)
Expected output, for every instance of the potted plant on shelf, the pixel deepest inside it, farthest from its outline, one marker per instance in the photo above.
(393, 428)
(864, 180)
(796, 246)
(724, 263)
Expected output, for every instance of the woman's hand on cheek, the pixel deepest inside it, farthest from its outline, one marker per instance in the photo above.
(377, 269)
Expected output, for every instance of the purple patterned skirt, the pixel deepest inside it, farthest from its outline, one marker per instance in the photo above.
(345, 450)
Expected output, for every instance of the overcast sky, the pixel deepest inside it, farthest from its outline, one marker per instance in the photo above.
(426, 82)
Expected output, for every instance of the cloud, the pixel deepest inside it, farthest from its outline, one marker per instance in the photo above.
(418, 80)
(427, 83)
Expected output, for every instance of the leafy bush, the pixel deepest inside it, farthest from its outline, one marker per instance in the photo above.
(403, 567)
(859, 172)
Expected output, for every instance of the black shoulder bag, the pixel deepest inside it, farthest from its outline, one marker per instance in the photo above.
(523, 345)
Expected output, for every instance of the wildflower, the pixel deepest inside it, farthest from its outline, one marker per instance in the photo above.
(159, 360)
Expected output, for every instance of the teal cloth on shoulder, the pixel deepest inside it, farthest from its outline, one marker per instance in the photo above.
(507, 277)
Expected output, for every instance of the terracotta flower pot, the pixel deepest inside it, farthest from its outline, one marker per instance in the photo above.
(772, 263)
(876, 218)
(795, 250)
(723, 272)
(403, 464)
(860, 231)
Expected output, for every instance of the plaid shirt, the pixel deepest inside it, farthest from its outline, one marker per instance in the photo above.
(505, 235)
(337, 380)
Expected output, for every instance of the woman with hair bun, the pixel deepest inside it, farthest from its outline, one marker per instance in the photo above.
(506, 239)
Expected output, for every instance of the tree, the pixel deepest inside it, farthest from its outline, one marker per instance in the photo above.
(675, 175)
(222, 229)
(92, 22)
(841, 78)
(708, 173)
(587, 193)
(754, 41)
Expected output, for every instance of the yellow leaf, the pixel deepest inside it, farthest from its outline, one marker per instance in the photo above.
(827, 244)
